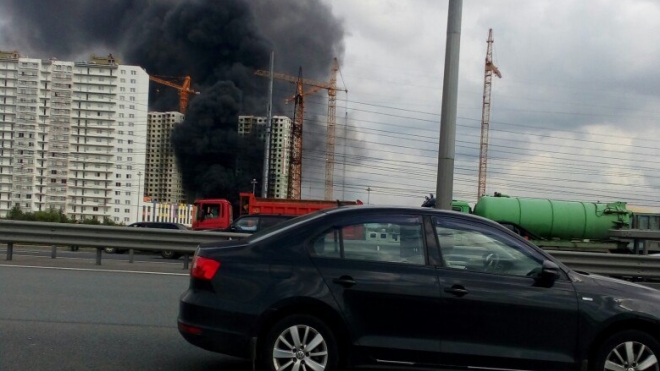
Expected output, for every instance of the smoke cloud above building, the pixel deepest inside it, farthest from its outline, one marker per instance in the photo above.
(218, 43)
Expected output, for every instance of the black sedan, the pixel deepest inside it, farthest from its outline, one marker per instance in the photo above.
(411, 288)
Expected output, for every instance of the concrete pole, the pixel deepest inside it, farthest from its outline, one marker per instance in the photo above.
(447, 147)
(269, 115)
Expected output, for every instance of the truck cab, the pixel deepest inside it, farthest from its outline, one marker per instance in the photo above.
(212, 214)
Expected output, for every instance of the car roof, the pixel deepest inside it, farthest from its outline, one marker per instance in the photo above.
(370, 209)
(268, 216)
(155, 224)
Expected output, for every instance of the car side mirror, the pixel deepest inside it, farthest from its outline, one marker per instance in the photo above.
(549, 271)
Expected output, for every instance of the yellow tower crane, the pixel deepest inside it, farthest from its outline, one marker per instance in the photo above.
(331, 87)
(485, 114)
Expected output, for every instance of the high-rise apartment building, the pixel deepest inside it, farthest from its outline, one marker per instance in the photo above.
(280, 149)
(72, 136)
(163, 180)
(252, 124)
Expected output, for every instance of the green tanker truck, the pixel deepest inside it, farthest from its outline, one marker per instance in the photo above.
(552, 224)
(558, 224)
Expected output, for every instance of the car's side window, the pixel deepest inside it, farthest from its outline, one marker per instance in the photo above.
(483, 249)
(395, 239)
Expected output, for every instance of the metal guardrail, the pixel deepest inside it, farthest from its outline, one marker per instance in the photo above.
(101, 236)
(616, 265)
(185, 242)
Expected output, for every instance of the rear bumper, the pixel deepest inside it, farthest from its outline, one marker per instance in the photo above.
(213, 328)
(217, 341)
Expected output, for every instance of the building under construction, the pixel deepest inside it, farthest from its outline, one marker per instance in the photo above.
(162, 181)
(280, 149)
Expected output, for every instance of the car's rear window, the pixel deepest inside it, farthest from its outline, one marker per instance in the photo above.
(284, 226)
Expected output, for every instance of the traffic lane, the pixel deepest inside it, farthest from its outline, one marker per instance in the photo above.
(41, 345)
(70, 319)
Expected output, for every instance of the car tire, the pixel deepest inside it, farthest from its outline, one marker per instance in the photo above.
(630, 350)
(110, 250)
(316, 343)
(168, 254)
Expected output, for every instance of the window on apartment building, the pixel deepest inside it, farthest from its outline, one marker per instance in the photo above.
(116, 210)
(128, 176)
(133, 81)
(117, 175)
(127, 202)
(128, 193)
(118, 184)
(132, 90)
(117, 193)
(117, 202)
(130, 115)
(95, 208)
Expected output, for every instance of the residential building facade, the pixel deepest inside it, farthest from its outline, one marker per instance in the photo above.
(72, 136)
(162, 180)
(280, 149)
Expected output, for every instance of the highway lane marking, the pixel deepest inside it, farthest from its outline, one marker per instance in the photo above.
(95, 270)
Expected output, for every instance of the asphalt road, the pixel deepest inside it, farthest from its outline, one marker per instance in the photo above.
(70, 314)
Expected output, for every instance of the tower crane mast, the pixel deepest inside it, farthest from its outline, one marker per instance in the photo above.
(331, 87)
(490, 69)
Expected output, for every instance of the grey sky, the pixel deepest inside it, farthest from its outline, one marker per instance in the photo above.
(574, 116)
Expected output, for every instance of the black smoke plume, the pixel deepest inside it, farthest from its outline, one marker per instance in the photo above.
(218, 43)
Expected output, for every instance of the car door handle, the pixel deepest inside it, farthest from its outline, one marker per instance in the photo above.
(346, 281)
(456, 290)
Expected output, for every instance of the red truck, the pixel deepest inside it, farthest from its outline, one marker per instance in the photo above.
(217, 213)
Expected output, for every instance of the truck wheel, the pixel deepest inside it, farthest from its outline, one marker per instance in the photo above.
(299, 342)
(168, 254)
(628, 350)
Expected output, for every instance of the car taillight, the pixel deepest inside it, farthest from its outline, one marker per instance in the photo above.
(204, 268)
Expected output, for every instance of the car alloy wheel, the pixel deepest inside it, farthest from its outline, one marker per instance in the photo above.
(300, 342)
(300, 347)
(629, 351)
(631, 356)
